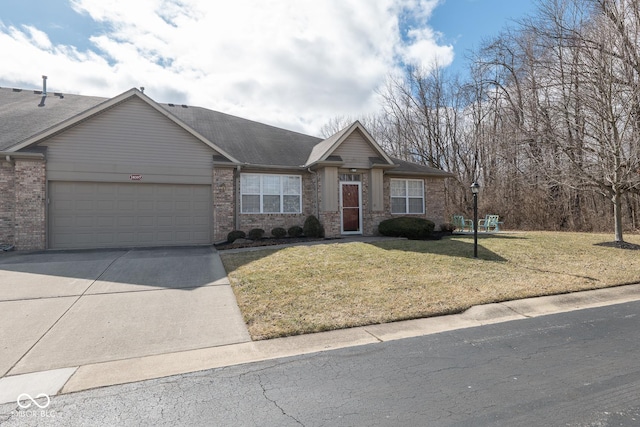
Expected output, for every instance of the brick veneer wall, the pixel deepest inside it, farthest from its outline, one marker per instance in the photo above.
(435, 200)
(7, 203)
(268, 222)
(224, 203)
(434, 204)
(23, 203)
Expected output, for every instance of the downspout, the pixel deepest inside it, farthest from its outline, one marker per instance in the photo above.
(237, 201)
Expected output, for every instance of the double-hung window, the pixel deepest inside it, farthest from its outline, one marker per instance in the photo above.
(268, 193)
(407, 196)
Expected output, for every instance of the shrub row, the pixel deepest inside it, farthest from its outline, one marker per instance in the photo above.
(311, 228)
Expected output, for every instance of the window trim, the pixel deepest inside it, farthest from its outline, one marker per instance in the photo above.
(406, 197)
(262, 194)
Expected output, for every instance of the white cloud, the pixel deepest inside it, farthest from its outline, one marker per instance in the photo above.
(291, 64)
(424, 49)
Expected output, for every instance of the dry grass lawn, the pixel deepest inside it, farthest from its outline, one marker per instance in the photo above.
(305, 289)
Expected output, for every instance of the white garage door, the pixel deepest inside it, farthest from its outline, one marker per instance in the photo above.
(103, 215)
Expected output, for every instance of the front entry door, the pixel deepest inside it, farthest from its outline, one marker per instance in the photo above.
(351, 208)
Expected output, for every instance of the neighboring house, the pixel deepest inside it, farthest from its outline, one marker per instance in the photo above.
(88, 172)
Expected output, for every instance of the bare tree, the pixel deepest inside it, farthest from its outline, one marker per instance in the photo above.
(594, 87)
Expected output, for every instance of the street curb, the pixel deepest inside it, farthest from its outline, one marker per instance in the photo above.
(90, 376)
(158, 366)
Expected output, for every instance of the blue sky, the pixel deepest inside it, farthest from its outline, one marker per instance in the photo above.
(290, 63)
(465, 23)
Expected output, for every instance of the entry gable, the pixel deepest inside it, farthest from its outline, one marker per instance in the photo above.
(354, 145)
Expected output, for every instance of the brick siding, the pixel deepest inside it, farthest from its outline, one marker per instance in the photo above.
(23, 202)
(268, 222)
(7, 203)
(224, 204)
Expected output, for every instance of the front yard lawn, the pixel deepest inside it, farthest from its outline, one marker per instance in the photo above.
(305, 289)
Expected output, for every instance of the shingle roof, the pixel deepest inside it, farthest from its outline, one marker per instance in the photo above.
(22, 117)
(320, 149)
(410, 168)
(22, 114)
(248, 141)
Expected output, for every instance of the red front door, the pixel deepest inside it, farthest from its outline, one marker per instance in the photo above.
(350, 208)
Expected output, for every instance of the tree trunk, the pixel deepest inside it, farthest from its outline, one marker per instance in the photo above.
(617, 213)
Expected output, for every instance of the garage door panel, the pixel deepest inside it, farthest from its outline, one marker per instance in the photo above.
(88, 215)
(104, 238)
(106, 205)
(125, 238)
(126, 205)
(84, 221)
(165, 205)
(184, 220)
(144, 205)
(165, 221)
(105, 221)
(125, 190)
(146, 221)
(200, 220)
(125, 221)
(84, 205)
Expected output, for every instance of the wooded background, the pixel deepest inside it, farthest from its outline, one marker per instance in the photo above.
(547, 121)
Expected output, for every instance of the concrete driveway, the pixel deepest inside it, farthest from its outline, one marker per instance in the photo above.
(67, 309)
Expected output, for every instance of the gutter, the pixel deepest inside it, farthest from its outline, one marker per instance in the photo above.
(433, 175)
(10, 155)
(274, 167)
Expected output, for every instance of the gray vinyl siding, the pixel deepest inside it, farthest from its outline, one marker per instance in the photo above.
(329, 176)
(355, 151)
(376, 190)
(129, 138)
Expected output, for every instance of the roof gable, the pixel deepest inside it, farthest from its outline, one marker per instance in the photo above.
(326, 148)
(132, 135)
(93, 111)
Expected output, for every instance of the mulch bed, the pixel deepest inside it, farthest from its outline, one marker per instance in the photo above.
(272, 241)
(268, 241)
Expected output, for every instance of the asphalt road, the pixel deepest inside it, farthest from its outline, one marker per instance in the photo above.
(580, 368)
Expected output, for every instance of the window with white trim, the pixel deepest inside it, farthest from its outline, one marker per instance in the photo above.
(407, 196)
(268, 193)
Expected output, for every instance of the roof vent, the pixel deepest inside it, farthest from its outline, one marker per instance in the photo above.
(184, 106)
(171, 105)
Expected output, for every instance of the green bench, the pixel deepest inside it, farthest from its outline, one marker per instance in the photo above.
(460, 223)
(490, 223)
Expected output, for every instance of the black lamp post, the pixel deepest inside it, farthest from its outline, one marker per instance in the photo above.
(475, 187)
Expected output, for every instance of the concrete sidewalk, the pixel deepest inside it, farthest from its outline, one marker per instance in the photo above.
(92, 375)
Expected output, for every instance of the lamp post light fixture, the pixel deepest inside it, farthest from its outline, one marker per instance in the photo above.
(475, 187)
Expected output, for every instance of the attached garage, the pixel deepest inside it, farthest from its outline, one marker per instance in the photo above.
(128, 177)
(102, 214)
